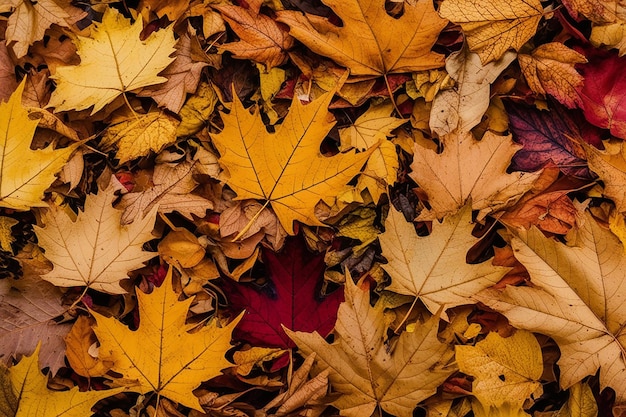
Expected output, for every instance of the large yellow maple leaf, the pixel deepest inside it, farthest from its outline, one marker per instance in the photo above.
(285, 168)
(365, 371)
(433, 268)
(371, 42)
(94, 250)
(114, 60)
(25, 393)
(162, 355)
(24, 174)
(577, 298)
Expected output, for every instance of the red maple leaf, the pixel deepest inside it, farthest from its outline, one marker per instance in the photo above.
(604, 90)
(291, 298)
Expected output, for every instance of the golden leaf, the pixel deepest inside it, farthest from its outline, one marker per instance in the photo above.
(285, 168)
(549, 69)
(433, 268)
(94, 250)
(25, 174)
(610, 165)
(492, 27)
(33, 398)
(506, 370)
(371, 42)
(6, 236)
(137, 134)
(113, 61)
(162, 355)
(364, 371)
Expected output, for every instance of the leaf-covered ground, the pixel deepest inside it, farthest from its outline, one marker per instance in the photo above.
(312, 208)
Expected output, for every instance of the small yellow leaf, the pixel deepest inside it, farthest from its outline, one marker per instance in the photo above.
(612, 35)
(506, 370)
(113, 61)
(25, 174)
(137, 135)
(78, 342)
(35, 399)
(492, 27)
(162, 355)
(197, 110)
(181, 247)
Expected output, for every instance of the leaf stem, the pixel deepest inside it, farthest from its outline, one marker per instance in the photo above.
(393, 100)
(250, 222)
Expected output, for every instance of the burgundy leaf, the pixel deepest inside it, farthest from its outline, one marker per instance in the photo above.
(291, 298)
(551, 135)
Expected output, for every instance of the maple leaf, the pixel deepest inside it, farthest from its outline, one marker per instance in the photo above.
(94, 250)
(291, 299)
(602, 92)
(285, 168)
(549, 69)
(113, 61)
(552, 135)
(369, 129)
(25, 174)
(162, 355)
(170, 189)
(28, 307)
(137, 134)
(371, 42)
(576, 298)
(433, 268)
(261, 38)
(31, 397)
(463, 107)
(506, 370)
(450, 183)
(492, 27)
(183, 75)
(361, 367)
(29, 20)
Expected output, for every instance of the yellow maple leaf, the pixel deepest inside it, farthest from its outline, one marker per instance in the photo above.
(137, 134)
(25, 174)
(450, 182)
(371, 42)
(94, 250)
(434, 267)
(162, 355)
(113, 61)
(549, 69)
(492, 27)
(364, 371)
(506, 370)
(30, 395)
(285, 168)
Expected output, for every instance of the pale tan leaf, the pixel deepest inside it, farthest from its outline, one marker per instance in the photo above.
(364, 371)
(433, 268)
(94, 250)
(576, 298)
(462, 108)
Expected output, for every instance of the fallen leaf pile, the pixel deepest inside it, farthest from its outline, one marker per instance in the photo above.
(280, 208)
